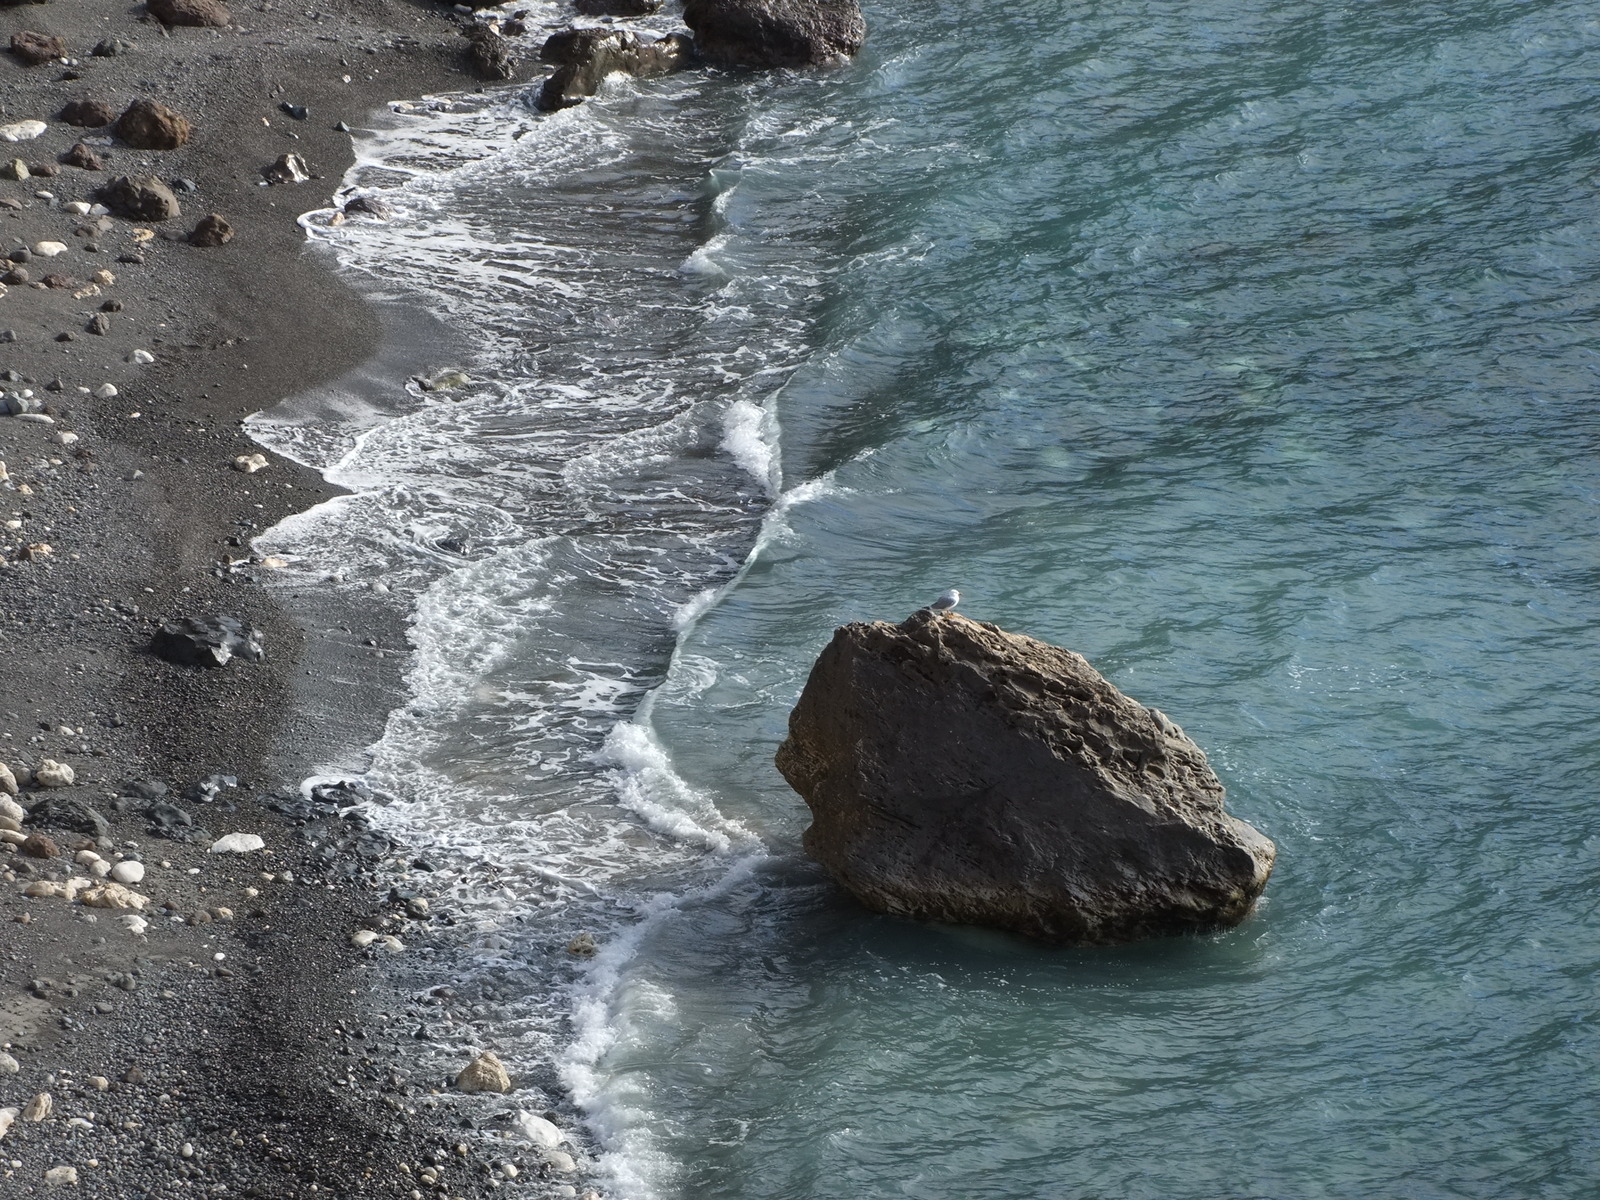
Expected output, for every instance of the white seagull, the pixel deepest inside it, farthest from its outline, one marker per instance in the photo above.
(947, 602)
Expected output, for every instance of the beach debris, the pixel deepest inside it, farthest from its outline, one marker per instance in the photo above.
(83, 158)
(775, 33)
(250, 463)
(238, 843)
(38, 1108)
(88, 114)
(113, 895)
(135, 924)
(22, 131)
(52, 774)
(33, 48)
(213, 230)
(1059, 808)
(290, 168)
(584, 57)
(207, 641)
(62, 1176)
(539, 1132)
(484, 1074)
(488, 54)
(148, 125)
(143, 199)
(206, 13)
(128, 872)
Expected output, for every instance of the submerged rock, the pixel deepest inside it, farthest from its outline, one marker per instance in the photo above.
(584, 57)
(956, 772)
(775, 33)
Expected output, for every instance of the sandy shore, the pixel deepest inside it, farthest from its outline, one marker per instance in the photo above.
(226, 1038)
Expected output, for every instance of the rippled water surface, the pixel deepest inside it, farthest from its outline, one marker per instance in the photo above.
(1249, 350)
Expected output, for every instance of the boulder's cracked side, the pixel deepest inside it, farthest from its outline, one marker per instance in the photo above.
(956, 772)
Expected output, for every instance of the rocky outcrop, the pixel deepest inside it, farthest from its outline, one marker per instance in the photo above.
(584, 57)
(142, 199)
(956, 772)
(775, 33)
(146, 125)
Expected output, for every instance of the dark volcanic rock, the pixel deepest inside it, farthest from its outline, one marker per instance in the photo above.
(584, 57)
(146, 125)
(82, 157)
(775, 33)
(489, 55)
(617, 8)
(74, 816)
(88, 114)
(956, 772)
(212, 231)
(111, 47)
(369, 205)
(190, 12)
(207, 641)
(146, 199)
(35, 48)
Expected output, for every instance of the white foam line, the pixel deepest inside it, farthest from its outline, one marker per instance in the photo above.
(628, 1157)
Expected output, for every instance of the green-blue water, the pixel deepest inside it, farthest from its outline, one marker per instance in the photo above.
(1249, 350)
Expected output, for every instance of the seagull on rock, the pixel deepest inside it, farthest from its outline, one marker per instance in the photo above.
(947, 602)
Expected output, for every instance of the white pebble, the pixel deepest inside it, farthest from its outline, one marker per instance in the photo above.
(106, 391)
(238, 843)
(135, 924)
(49, 249)
(129, 871)
(61, 1176)
(141, 356)
(22, 131)
(363, 938)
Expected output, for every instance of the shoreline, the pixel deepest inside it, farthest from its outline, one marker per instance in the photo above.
(238, 1044)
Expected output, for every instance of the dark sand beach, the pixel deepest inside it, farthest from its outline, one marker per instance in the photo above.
(225, 1037)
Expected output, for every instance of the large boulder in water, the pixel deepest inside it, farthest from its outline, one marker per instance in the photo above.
(956, 772)
(584, 57)
(775, 33)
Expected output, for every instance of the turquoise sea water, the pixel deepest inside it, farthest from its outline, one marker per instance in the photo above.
(1250, 350)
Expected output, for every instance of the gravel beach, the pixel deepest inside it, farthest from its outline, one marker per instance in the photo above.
(183, 1011)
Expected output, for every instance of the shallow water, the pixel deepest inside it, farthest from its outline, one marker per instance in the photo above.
(1247, 350)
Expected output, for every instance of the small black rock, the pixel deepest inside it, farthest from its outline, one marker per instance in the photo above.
(297, 112)
(207, 641)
